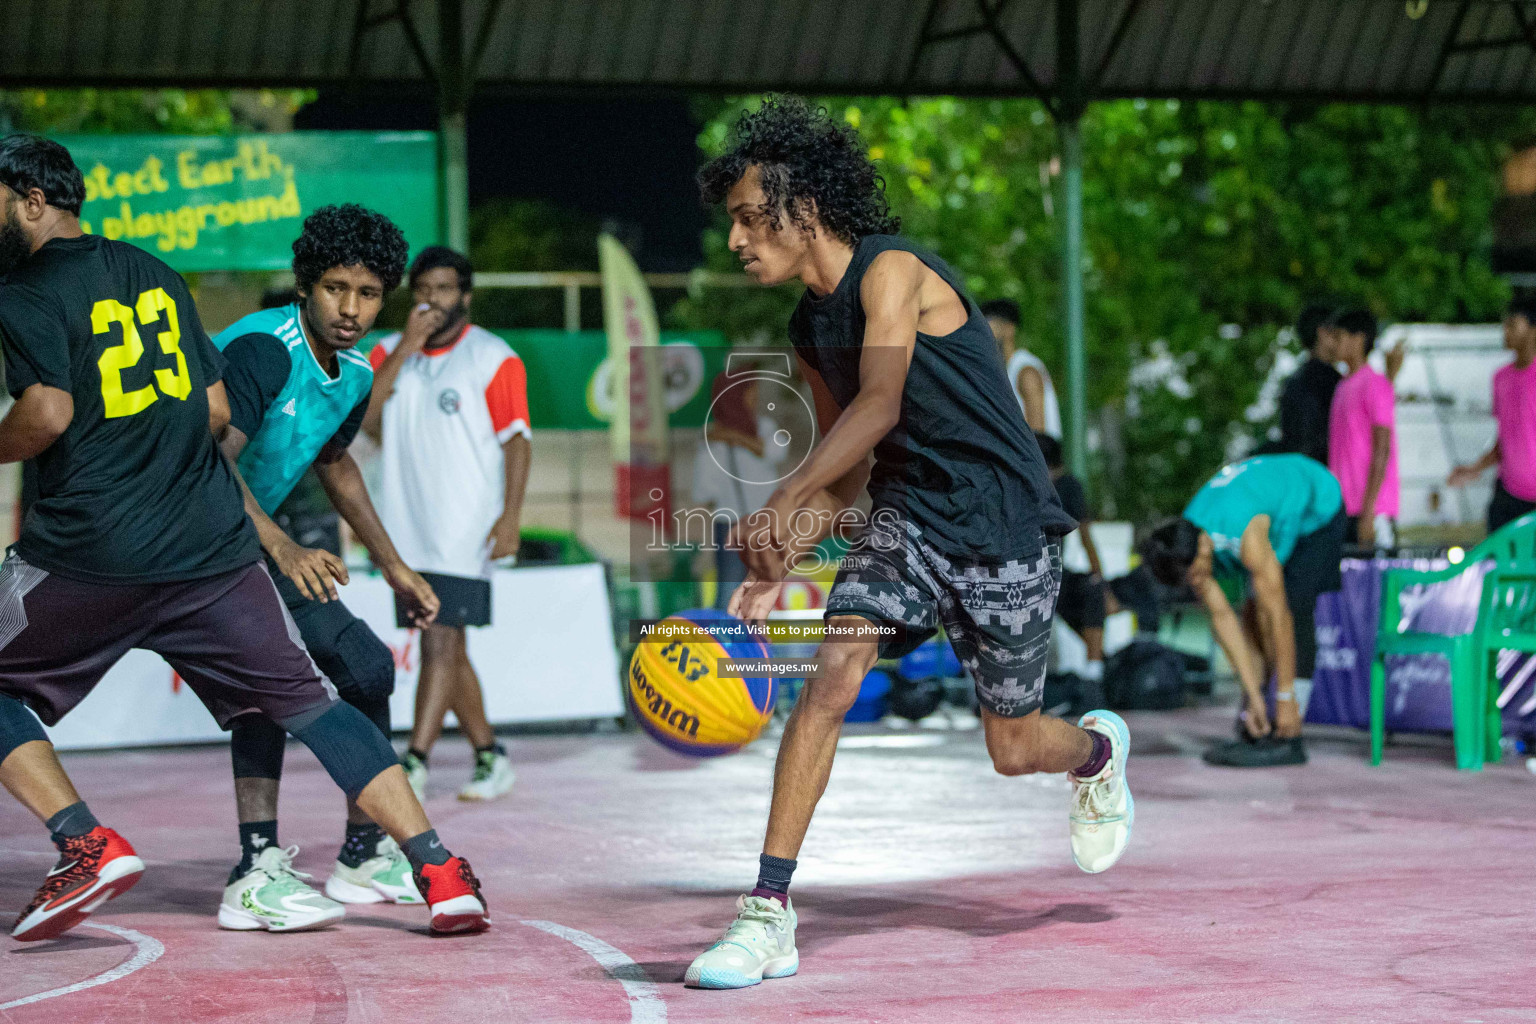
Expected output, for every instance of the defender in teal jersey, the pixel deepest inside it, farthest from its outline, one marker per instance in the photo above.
(298, 392)
(1278, 522)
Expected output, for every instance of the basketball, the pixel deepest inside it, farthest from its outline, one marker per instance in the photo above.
(680, 700)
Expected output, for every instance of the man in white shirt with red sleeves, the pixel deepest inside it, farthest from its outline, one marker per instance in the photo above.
(450, 409)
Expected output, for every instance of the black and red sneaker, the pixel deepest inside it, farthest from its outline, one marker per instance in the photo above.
(453, 896)
(92, 869)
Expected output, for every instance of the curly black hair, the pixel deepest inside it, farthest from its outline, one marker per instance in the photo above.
(349, 236)
(806, 157)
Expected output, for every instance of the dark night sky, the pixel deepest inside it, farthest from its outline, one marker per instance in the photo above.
(630, 160)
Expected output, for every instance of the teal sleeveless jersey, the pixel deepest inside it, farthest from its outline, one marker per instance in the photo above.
(304, 415)
(1298, 494)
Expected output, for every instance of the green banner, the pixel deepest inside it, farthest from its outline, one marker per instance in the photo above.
(568, 383)
(236, 202)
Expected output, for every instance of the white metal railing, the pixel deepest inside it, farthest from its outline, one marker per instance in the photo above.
(573, 281)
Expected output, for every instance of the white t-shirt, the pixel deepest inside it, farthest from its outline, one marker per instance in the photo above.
(443, 482)
(1021, 358)
(732, 478)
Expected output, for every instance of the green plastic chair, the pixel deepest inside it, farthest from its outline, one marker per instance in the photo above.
(1506, 620)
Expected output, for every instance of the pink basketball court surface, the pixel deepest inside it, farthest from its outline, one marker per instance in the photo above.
(930, 890)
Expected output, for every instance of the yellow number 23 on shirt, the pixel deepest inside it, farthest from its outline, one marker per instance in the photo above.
(175, 383)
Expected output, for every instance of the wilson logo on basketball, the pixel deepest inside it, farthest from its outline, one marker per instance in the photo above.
(660, 707)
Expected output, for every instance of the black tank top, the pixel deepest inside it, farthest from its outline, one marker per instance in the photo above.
(961, 465)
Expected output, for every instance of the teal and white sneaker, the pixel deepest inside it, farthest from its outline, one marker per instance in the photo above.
(493, 777)
(273, 897)
(759, 944)
(384, 877)
(415, 774)
(1102, 807)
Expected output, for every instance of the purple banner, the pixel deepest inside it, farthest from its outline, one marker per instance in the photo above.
(1418, 686)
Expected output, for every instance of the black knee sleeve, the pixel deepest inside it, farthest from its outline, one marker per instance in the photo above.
(376, 709)
(350, 748)
(358, 662)
(17, 726)
(256, 747)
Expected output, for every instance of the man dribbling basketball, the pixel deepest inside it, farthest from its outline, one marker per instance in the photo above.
(965, 523)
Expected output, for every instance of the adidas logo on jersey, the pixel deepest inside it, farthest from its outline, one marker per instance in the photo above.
(288, 410)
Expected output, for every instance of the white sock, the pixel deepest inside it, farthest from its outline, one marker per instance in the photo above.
(1303, 690)
(1093, 671)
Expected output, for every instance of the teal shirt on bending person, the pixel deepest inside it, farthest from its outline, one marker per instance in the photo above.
(1298, 494)
(284, 402)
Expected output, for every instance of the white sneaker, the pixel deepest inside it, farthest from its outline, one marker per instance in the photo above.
(493, 777)
(759, 944)
(384, 877)
(415, 774)
(1102, 807)
(273, 897)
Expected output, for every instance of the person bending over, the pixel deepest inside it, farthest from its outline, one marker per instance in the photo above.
(1278, 523)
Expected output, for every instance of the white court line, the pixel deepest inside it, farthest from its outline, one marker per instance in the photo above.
(645, 1004)
(149, 950)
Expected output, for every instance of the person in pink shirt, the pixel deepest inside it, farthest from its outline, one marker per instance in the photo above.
(1514, 407)
(1362, 428)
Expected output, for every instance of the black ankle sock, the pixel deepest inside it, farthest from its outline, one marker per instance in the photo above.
(418, 755)
(494, 748)
(255, 836)
(70, 823)
(362, 842)
(424, 849)
(1096, 760)
(773, 875)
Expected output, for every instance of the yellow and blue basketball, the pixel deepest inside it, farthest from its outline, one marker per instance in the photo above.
(679, 699)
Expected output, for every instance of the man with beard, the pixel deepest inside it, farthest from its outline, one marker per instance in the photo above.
(139, 539)
(450, 407)
(297, 394)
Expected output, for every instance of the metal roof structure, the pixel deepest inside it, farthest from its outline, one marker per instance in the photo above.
(1368, 50)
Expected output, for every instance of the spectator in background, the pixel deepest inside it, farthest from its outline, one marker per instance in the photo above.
(735, 471)
(1514, 407)
(1362, 428)
(1278, 521)
(1083, 600)
(450, 409)
(1030, 380)
(1307, 396)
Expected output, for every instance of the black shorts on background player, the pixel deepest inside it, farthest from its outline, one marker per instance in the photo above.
(466, 601)
(1504, 508)
(1311, 571)
(1082, 604)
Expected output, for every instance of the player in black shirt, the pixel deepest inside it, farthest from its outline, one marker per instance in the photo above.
(139, 538)
(965, 524)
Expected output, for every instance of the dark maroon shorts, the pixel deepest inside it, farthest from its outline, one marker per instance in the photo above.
(229, 636)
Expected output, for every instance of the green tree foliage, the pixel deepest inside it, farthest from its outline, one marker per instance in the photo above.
(148, 111)
(1207, 226)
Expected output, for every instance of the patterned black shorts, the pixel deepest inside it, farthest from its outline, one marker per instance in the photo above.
(997, 617)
